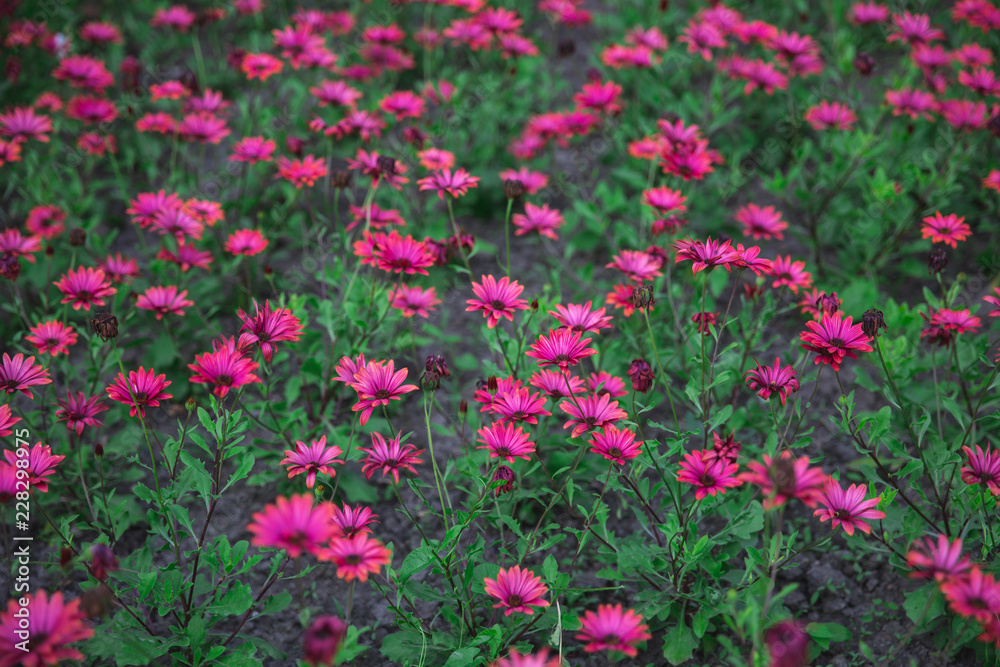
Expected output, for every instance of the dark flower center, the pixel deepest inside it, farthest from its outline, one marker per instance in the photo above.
(515, 601)
(225, 380)
(561, 359)
(615, 453)
(842, 514)
(353, 559)
(518, 415)
(978, 603)
(382, 394)
(590, 421)
(497, 304)
(707, 480)
(837, 342)
(12, 385)
(610, 639)
(140, 396)
(390, 463)
(84, 295)
(503, 451)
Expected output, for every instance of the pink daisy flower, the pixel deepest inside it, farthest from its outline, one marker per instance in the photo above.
(497, 299)
(46, 221)
(248, 242)
(590, 413)
(253, 150)
(784, 478)
(612, 628)
(402, 254)
(562, 348)
(976, 595)
(830, 116)
(52, 336)
(346, 368)
(542, 219)
(389, 456)
(506, 441)
(224, 368)
(41, 465)
(913, 29)
(18, 373)
(983, 468)
(143, 389)
(992, 180)
(268, 327)
(865, 13)
(436, 159)
(402, 104)
(77, 410)
(939, 559)
(84, 286)
(639, 266)
(540, 659)
(187, 257)
(615, 444)
(948, 229)
(848, 509)
(260, 66)
(664, 200)
(791, 274)
(349, 521)
(556, 384)
(304, 172)
(22, 123)
(456, 184)
(516, 590)
(7, 419)
(767, 380)
(164, 301)
(603, 382)
(833, 339)
(994, 300)
(581, 318)
(357, 556)
(413, 300)
(313, 459)
(517, 405)
(55, 625)
(705, 255)
(378, 382)
(533, 181)
(761, 223)
(296, 524)
(912, 103)
(709, 477)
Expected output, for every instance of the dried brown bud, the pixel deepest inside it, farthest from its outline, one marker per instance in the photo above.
(491, 384)
(566, 47)
(65, 558)
(463, 408)
(513, 188)
(641, 374)
(414, 136)
(642, 296)
(77, 237)
(50, 251)
(102, 561)
(872, 321)
(190, 403)
(105, 325)
(864, 64)
(341, 179)
(386, 165)
(937, 261)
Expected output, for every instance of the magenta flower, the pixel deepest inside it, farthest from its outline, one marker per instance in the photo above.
(542, 219)
(555, 384)
(767, 380)
(830, 116)
(18, 374)
(378, 382)
(562, 348)
(591, 412)
(506, 441)
(948, 229)
(705, 255)
(41, 465)
(709, 477)
(581, 318)
(268, 327)
(939, 559)
(517, 405)
(784, 478)
(612, 629)
(833, 339)
(413, 300)
(615, 444)
(248, 242)
(761, 222)
(143, 389)
(297, 524)
(84, 286)
(78, 410)
(253, 150)
(791, 274)
(52, 336)
(848, 509)
(348, 521)
(164, 301)
(357, 556)
(401, 254)
(312, 459)
(55, 625)
(497, 299)
(7, 419)
(224, 368)
(983, 468)
(516, 590)
(389, 456)
(974, 596)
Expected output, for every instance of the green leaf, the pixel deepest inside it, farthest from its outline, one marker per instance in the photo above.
(242, 470)
(235, 601)
(826, 633)
(464, 657)
(415, 561)
(679, 644)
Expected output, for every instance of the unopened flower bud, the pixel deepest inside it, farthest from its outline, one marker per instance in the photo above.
(436, 364)
(414, 136)
(235, 58)
(50, 250)
(864, 64)
(12, 69)
(505, 475)
(130, 70)
(323, 640)
(788, 644)
(105, 325)
(77, 237)
(102, 561)
(872, 321)
(98, 450)
(491, 384)
(937, 261)
(828, 303)
(534, 304)
(190, 403)
(566, 47)
(513, 188)
(642, 296)
(65, 558)
(641, 375)
(10, 267)
(341, 179)
(96, 602)
(295, 145)
(463, 409)
(190, 81)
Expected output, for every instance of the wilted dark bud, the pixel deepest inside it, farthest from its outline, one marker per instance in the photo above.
(12, 69)
(828, 303)
(505, 475)
(937, 260)
(642, 296)
(65, 558)
(513, 188)
(534, 304)
(664, 5)
(414, 136)
(102, 561)
(96, 602)
(105, 325)
(594, 75)
(993, 125)
(566, 48)
(323, 640)
(50, 251)
(341, 179)
(98, 450)
(190, 81)
(235, 58)
(864, 63)
(727, 448)
(641, 375)
(436, 364)
(491, 384)
(463, 409)
(704, 322)
(386, 165)
(752, 291)
(190, 403)
(872, 321)
(130, 70)
(268, 270)
(788, 644)
(295, 145)
(77, 237)
(10, 267)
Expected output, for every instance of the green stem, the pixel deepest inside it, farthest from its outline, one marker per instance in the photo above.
(663, 375)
